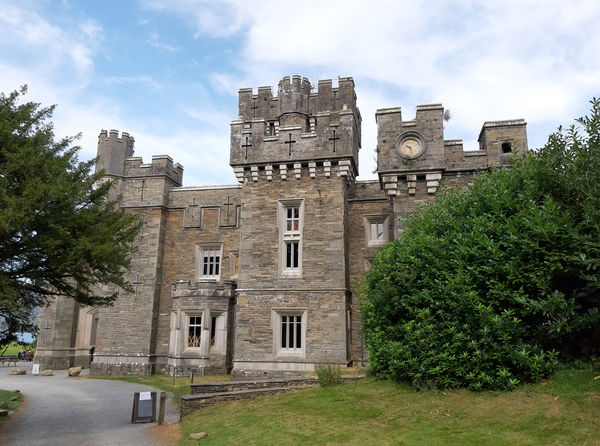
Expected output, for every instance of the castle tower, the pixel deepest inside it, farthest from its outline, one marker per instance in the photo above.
(120, 339)
(112, 153)
(296, 156)
(414, 160)
(126, 340)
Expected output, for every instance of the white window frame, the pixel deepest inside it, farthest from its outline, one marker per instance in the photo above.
(217, 248)
(290, 235)
(375, 220)
(277, 316)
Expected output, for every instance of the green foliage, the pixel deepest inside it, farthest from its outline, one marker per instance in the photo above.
(490, 286)
(59, 235)
(328, 374)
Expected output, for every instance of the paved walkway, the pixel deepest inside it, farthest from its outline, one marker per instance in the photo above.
(74, 411)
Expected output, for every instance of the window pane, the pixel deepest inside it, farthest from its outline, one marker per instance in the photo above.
(194, 331)
(379, 231)
(298, 332)
(213, 329)
(284, 332)
(295, 254)
(291, 331)
(288, 260)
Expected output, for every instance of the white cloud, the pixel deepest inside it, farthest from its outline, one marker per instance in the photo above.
(211, 17)
(140, 79)
(484, 60)
(156, 42)
(203, 154)
(26, 31)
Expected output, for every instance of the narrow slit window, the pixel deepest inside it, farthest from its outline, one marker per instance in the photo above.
(292, 255)
(290, 225)
(213, 329)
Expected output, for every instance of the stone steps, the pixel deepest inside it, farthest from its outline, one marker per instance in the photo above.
(209, 394)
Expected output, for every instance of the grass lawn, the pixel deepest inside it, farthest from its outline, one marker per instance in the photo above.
(12, 349)
(5, 400)
(561, 411)
(162, 382)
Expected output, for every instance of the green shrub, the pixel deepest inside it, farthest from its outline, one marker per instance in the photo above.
(328, 374)
(490, 286)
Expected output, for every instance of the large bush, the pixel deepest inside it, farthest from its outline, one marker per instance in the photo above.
(491, 285)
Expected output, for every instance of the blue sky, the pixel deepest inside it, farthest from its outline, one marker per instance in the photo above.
(168, 72)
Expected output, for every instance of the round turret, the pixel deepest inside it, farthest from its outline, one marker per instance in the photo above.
(293, 94)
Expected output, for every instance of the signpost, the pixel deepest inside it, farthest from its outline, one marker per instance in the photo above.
(144, 407)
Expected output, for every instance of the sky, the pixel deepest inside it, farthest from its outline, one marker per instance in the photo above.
(168, 71)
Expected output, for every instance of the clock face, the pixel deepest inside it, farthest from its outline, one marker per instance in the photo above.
(410, 147)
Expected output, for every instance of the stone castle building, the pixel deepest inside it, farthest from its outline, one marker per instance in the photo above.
(260, 277)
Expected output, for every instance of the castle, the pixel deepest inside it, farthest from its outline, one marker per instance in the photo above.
(259, 278)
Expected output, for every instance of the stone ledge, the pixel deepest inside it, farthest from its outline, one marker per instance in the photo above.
(232, 386)
(209, 394)
(191, 403)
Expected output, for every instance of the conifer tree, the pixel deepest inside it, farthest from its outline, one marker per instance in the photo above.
(59, 233)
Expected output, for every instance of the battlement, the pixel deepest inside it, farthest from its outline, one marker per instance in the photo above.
(295, 95)
(161, 166)
(297, 125)
(418, 145)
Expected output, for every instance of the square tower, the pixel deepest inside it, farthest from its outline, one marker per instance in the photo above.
(296, 156)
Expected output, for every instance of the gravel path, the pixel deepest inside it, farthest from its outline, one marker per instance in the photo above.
(74, 411)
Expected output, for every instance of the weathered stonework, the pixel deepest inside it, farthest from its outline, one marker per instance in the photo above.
(260, 278)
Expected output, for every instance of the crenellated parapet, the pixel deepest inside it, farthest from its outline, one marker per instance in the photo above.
(161, 166)
(413, 153)
(296, 126)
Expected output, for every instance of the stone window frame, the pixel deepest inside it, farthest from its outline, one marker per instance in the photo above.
(200, 248)
(220, 343)
(369, 220)
(276, 323)
(286, 237)
(187, 318)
